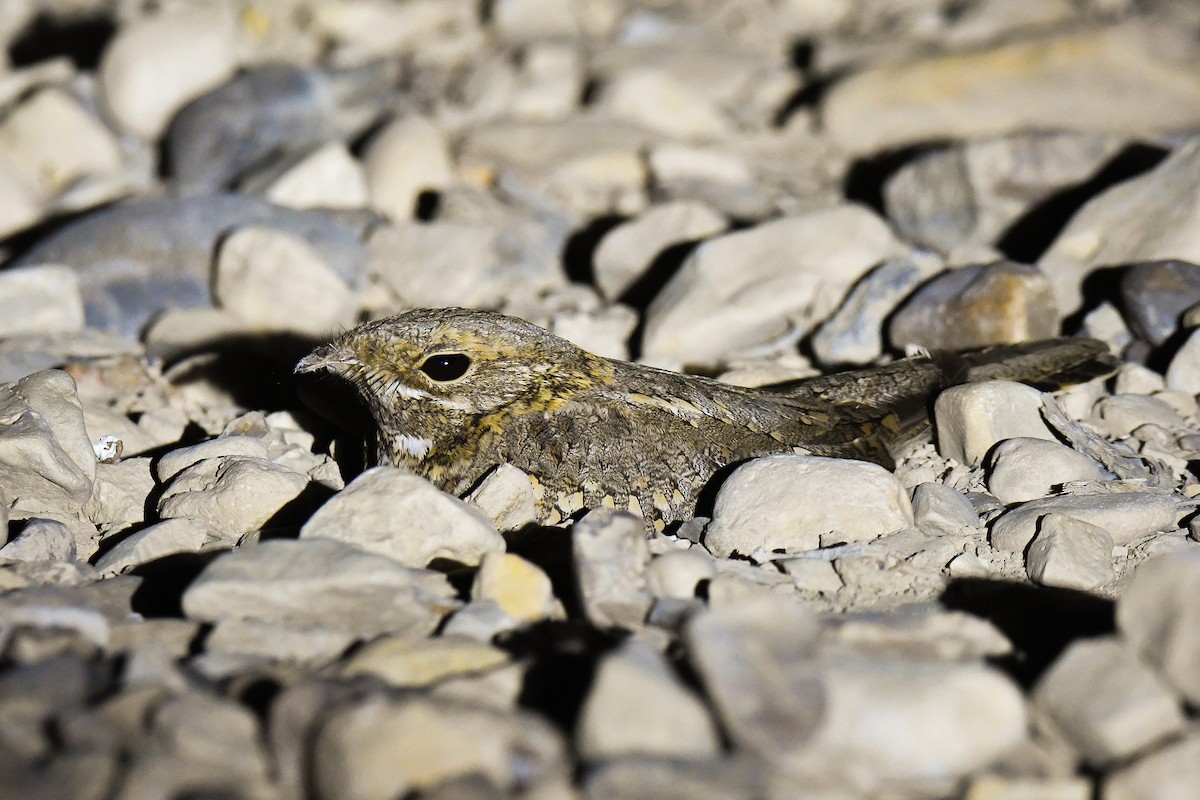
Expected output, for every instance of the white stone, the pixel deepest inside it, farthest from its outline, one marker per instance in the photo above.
(328, 177)
(1136, 379)
(53, 143)
(365, 31)
(1122, 414)
(533, 20)
(180, 535)
(812, 574)
(654, 99)
(177, 460)
(253, 639)
(1172, 773)
(628, 250)
(746, 288)
(119, 494)
(637, 706)
(275, 281)
(605, 332)
(520, 588)
(1108, 704)
(941, 509)
(1126, 516)
(232, 494)
(1070, 554)
(404, 662)
(20, 207)
(678, 574)
(1025, 468)
(439, 263)
(404, 517)
(970, 419)
(505, 496)
(792, 502)
(39, 300)
(407, 157)
(320, 583)
(41, 540)
(675, 163)
(157, 64)
(1158, 615)
(1184, 370)
(611, 555)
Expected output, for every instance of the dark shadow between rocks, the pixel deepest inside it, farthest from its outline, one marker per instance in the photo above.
(82, 39)
(867, 176)
(1040, 621)
(164, 580)
(1034, 231)
(580, 248)
(1100, 285)
(550, 549)
(642, 292)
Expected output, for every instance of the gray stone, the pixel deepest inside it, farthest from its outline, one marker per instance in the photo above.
(119, 494)
(277, 642)
(1155, 294)
(1157, 615)
(931, 201)
(1171, 773)
(39, 300)
(1126, 516)
(1122, 414)
(404, 517)
(1108, 704)
(41, 540)
(177, 460)
(611, 556)
(970, 419)
(179, 535)
(319, 584)
(977, 306)
(940, 509)
(1070, 554)
(506, 497)
(1023, 468)
(405, 158)
(790, 502)
(232, 494)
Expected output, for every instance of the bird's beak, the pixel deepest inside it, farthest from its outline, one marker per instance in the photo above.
(330, 357)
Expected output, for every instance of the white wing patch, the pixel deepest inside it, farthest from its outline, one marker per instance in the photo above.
(414, 446)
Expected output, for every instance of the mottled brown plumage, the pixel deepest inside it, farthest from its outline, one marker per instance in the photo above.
(454, 393)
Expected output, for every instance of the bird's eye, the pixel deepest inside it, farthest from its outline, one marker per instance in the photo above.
(446, 366)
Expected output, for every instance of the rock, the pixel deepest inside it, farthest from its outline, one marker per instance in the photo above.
(426, 33)
(996, 787)
(328, 177)
(656, 101)
(1024, 468)
(792, 503)
(970, 419)
(136, 259)
(610, 554)
(521, 589)
(405, 663)
(383, 748)
(480, 620)
(661, 779)
(53, 143)
(853, 334)
(1070, 554)
(629, 250)
(177, 460)
(39, 300)
(274, 281)
(931, 201)
(254, 640)
(550, 82)
(1155, 294)
(637, 706)
(1126, 516)
(319, 584)
(1167, 774)
(712, 175)
(743, 289)
(41, 540)
(407, 157)
(605, 332)
(1108, 704)
(232, 494)
(1139, 220)
(47, 464)
(1156, 615)
(20, 207)
(1184, 371)
(402, 516)
(753, 657)
(1122, 414)
(977, 306)
(1061, 83)
(521, 21)
(156, 64)
(1136, 379)
(441, 263)
(119, 494)
(940, 509)
(679, 574)
(179, 535)
(505, 496)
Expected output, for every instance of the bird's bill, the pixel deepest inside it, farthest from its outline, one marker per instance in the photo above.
(328, 357)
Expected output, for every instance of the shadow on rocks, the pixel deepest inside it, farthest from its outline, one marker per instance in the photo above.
(1039, 621)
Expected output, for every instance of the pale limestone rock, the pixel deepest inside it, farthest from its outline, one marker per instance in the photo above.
(275, 281)
(179, 535)
(790, 502)
(157, 64)
(521, 589)
(520, 21)
(439, 263)
(39, 300)
(19, 205)
(637, 706)
(970, 419)
(41, 540)
(1158, 616)
(655, 100)
(328, 177)
(119, 494)
(1171, 773)
(678, 574)
(1070, 554)
(505, 496)
(271, 641)
(408, 663)
(407, 157)
(746, 288)
(941, 509)
(1184, 370)
(1126, 516)
(404, 517)
(1108, 703)
(628, 250)
(175, 461)
(611, 556)
(1024, 468)
(232, 494)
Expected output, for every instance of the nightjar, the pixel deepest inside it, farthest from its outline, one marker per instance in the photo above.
(453, 393)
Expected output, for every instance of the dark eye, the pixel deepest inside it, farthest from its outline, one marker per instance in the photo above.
(446, 366)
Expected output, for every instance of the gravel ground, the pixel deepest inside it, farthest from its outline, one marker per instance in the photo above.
(204, 594)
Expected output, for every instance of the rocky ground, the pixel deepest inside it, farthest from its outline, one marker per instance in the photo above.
(202, 597)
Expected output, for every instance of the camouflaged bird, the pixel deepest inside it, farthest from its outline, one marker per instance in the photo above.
(454, 393)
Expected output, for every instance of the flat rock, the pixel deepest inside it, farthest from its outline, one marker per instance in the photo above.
(679, 574)
(232, 494)
(177, 460)
(404, 517)
(972, 418)
(1156, 615)
(657, 101)
(320, 584)
(179, 535)
(1126, 516)
(328, 177)
(408, 663)
(790, 502)
(41, 540)
(1155, 294)
(1025, 468)
(1070, 554)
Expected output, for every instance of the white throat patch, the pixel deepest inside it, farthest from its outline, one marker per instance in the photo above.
(414, 446)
